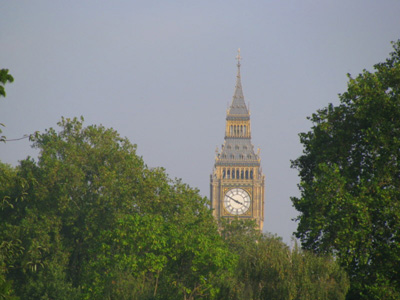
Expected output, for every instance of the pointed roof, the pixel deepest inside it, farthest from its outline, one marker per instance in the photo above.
(237, 152)
(238, 106)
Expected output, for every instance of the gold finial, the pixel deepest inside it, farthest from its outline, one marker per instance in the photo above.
(238, 57)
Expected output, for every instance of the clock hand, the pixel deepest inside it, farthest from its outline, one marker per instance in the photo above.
(238, 202)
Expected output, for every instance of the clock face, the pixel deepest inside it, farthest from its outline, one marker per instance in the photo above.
(237, 201)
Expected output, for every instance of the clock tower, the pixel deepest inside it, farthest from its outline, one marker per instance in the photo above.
(237, 182)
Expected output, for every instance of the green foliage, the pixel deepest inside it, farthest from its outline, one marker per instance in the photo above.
(8, 251)
(269, 269)
(4, 78)
(95, 223)
(89, 220)
(350, 187)
(10, 248)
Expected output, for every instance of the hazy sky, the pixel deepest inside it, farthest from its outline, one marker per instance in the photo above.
(163, 72)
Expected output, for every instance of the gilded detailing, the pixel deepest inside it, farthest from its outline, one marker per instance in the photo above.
(238, 129)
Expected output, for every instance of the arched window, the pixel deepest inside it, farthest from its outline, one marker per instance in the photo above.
(251, 174)
(223, 173)
(233, 174)
(228, 174)
(231, 130)
(242, 174)
(237, 174)
(249, 156)
(244, 130)
(241, 130)
(247, 174)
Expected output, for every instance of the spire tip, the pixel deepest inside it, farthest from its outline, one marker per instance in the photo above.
(238, 57)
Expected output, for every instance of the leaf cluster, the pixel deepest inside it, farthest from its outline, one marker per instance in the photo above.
(4, 78)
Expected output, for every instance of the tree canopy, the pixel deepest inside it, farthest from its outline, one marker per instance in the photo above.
(268, 269)
(89, 220)
(350, 181)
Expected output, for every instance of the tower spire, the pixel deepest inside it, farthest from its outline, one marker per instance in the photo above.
(238, 106)
(238, 79)
(238, 57)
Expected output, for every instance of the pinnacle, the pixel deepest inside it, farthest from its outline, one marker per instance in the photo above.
(238, 105)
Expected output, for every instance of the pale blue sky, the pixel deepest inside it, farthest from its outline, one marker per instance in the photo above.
(162, 72)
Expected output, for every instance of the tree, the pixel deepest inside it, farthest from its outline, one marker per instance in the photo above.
(268, 269)
(350, 181)
(94, 222)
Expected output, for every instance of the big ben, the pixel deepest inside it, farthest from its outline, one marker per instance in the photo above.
(237, 181)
